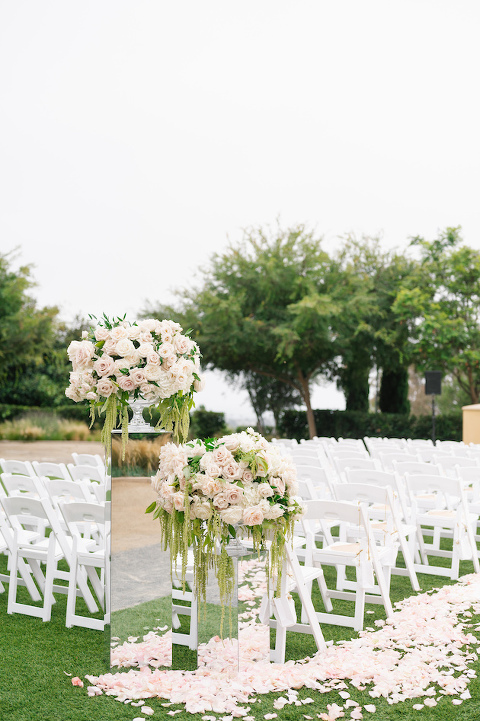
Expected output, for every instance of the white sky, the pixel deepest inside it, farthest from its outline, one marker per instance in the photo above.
(136, 136)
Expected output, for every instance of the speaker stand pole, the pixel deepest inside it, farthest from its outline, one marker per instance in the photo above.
(433, 419)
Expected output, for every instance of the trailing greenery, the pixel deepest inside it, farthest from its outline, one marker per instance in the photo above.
(353, 424)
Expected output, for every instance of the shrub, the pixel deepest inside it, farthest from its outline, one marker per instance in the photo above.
(39, 425)
(141, 456)
(207, 424)
(355, 424)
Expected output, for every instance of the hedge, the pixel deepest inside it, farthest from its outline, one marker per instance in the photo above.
(355, 424)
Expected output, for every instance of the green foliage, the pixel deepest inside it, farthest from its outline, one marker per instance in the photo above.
(263, 307)
(79, 412)
(207, 424)
(354, 424)
(441, 308)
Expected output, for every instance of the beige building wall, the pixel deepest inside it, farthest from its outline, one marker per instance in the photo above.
(471, 423)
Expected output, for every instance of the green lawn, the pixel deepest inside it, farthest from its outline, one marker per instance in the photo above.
(36, 657)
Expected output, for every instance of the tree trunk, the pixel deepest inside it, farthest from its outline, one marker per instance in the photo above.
(394, 391)
(312, 428)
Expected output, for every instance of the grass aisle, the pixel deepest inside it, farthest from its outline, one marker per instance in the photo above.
(35, 658)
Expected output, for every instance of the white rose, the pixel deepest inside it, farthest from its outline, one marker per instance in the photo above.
(124, 347)
(232, 515)
(166, 350)
(110, 347)
(101, 333)
(182, 344)
(145, 337)
(203, 510)
(148, 325)
(275, 511)
(133, 332)
(118, 333)
(265, 490)
(145, 349)
(253, 516)
(153, 359)
(199, 386)
(153, 373)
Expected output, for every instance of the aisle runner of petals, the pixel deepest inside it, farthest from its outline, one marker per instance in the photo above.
(423, 651)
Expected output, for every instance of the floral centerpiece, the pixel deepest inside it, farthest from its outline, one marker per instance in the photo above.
(208, 490)
(117, 361)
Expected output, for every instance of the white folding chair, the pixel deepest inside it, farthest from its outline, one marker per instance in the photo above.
(89, 473)
(448, 464)
(386, 460)
(34, 552)
(51, 470)
(24, 468)
(342, 464)
(88, 459)
(389, 530)
(355, 547)
(84, 520)
(295, 579)
(8, 547)
(319, 478)
(448, 518)
(184, 603)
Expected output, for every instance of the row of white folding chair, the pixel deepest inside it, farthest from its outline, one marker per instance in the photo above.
(28, 552)
(440, 502)
(408, 475)
(54, 470)
(56, 488)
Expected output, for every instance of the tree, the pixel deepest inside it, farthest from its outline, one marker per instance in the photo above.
(440, 307)
(263, 308)
(266, 394)
(27, 338)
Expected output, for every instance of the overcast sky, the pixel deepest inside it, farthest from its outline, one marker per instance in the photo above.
(137, 137)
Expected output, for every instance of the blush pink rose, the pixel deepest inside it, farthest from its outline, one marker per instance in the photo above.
(182, 344)
(221, 455)
(234, 494)
(153, 359)
(232, 470)
(126, 383)
(138, 376)
(279, 484)
(105, 365)
(247, 475)
(253, 516)
(179, 500)
(105, 387)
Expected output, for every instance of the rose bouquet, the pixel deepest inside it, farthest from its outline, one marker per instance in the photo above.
(117, 361)
(208, 490)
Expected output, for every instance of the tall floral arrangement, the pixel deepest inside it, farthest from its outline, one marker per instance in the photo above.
(117, 361)
(208, 490)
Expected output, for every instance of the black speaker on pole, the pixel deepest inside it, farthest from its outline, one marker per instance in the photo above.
(433, 387)
(433, 383)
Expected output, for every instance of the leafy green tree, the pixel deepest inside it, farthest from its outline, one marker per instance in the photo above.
(27, 338)
(440, 307)
(266, 394)
(263, 308)
(366, 330)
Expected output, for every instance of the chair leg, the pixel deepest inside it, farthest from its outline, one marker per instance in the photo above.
(49, 576)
